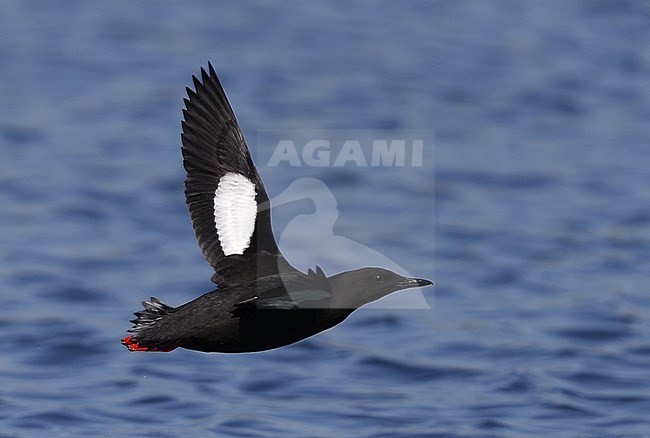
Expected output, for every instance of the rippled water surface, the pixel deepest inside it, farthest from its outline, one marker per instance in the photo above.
(531, 212)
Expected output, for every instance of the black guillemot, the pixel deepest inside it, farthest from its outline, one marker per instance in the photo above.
(261, 302)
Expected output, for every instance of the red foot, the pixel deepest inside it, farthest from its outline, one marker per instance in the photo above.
(133, 345)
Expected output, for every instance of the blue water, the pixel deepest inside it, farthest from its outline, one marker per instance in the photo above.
(531, 212)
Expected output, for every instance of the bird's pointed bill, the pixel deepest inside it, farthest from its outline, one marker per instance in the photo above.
(407, 283)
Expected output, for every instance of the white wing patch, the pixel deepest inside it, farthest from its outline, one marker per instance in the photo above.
(235, 210)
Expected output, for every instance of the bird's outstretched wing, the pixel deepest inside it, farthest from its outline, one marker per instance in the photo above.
(228, 204)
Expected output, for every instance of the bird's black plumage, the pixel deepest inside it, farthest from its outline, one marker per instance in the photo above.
(261, 301)
(213, 145)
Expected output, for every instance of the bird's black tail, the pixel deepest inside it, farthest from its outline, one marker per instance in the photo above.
(145, 320)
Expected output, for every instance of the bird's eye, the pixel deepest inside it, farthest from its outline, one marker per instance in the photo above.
(378, 279)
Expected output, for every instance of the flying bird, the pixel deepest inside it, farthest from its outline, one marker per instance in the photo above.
(261, 302)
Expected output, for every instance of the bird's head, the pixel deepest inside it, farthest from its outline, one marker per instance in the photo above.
(353, 289)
